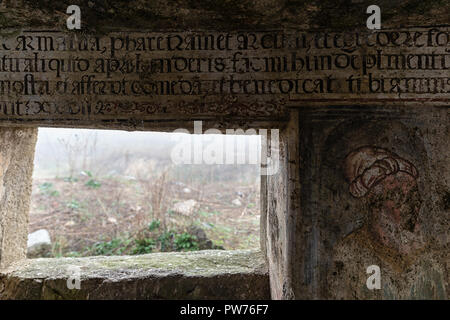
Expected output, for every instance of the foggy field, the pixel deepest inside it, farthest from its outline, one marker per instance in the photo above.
(101, 192)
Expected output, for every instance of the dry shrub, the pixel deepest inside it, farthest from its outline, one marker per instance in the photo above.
(154, 182)
(158, 199)
(142, 169)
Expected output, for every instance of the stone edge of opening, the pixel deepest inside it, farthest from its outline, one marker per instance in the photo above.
(208, 274)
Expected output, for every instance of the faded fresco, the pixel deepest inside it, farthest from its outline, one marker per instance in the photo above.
(390, 227)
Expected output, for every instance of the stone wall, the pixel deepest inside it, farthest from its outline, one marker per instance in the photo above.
(363, 116)
(375, 186)
(16, 168)
(368, 186)
(167, 72)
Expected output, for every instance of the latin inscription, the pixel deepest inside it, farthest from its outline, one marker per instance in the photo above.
(46, 75)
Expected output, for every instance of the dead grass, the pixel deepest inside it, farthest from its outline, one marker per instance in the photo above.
(81, 212)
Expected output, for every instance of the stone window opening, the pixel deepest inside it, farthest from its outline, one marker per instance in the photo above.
(238, 270)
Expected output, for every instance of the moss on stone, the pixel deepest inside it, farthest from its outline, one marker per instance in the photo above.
(216, 274)
(207, 262)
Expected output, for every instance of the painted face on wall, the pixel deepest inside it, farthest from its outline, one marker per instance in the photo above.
(399, 194)
(388, 185)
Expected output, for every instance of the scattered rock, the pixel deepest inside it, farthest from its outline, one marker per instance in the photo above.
(136, 208)
(206, 225)
(84, 173)
(237, 202)
(199, 233)
(112, 220)
(186, 208)
(204, 243)
(240, 194)
(70, 223)
(187, 190)
(39, 244)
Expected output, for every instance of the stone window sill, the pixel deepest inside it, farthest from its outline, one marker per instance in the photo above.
(209, 274)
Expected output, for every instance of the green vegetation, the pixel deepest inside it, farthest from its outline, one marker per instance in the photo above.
(94, 184)
(166, 241)
(110, 248)
(208, 213)
(155, 224)
(74, 204)
(91, 183)
(143, 246)
(185, 242)
(151, 239)
(47, 189)
(70, 179)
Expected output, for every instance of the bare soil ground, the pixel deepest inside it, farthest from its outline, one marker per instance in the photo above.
(81, 212)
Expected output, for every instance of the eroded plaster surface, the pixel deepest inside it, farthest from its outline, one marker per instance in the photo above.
(374, 191)
(363, 118)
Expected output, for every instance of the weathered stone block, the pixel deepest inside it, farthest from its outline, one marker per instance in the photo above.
(374, 187)
(16, 168)
(208, 274)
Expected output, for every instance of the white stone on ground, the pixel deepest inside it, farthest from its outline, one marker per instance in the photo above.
(39, 243)
(237, 202)
(186, 208)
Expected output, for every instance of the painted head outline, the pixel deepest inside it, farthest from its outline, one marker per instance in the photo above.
(388, 185)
